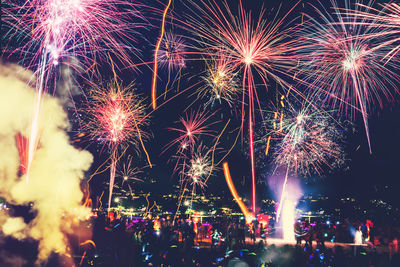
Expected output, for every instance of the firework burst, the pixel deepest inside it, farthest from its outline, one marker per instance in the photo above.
(54, 29)
(252, 47)
(221, 82)
(172, 52)
(128, 172)
(115, 117)
(195, 169)
(200, 166)
(344, 65)
(195, 124)
(305, 140)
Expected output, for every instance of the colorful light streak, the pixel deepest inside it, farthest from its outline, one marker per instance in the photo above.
(250, 46)
(155, 69)
(306, 142)
(53, 30)
(248, 215)
(115, 117)
(341, 59)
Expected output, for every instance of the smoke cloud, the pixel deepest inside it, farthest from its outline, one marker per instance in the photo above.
(57, 168)
(291, 195)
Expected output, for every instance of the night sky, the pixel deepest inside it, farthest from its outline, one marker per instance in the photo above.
(364, 176)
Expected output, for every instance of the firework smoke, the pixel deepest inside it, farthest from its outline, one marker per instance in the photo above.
(291, 194)
(56, 169)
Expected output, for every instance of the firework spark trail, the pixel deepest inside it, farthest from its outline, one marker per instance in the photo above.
(155, 69)
(384, 20)
(306, 142)
(114, 158)
(115, 117)
(33, 138)
(278, 212)
(341, 58)
(213, 151)
(196, 124)
(248, 215)
(251, 46)
(180, 201)
(251, 145)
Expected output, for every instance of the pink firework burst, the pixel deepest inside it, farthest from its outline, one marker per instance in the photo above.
(172, 52)
(195, 124)
(56, 29)
(340, 59)
(386, 22)
(252, 47)
(116, 115)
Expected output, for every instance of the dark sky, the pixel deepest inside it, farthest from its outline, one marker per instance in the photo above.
(366, 176)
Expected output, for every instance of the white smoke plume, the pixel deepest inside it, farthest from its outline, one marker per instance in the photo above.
(67, 87)
(57, 168)
(292, 194)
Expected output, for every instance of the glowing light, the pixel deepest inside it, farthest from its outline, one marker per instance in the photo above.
(248, 60)
(353, 61)
(300, 119)
(251, 46)
(116, 117)
(155, 69)
(288, 220)
(248, 215)
(221, 82)
(341, 59)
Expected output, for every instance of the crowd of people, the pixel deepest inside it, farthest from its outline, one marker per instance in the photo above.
(130, 241)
